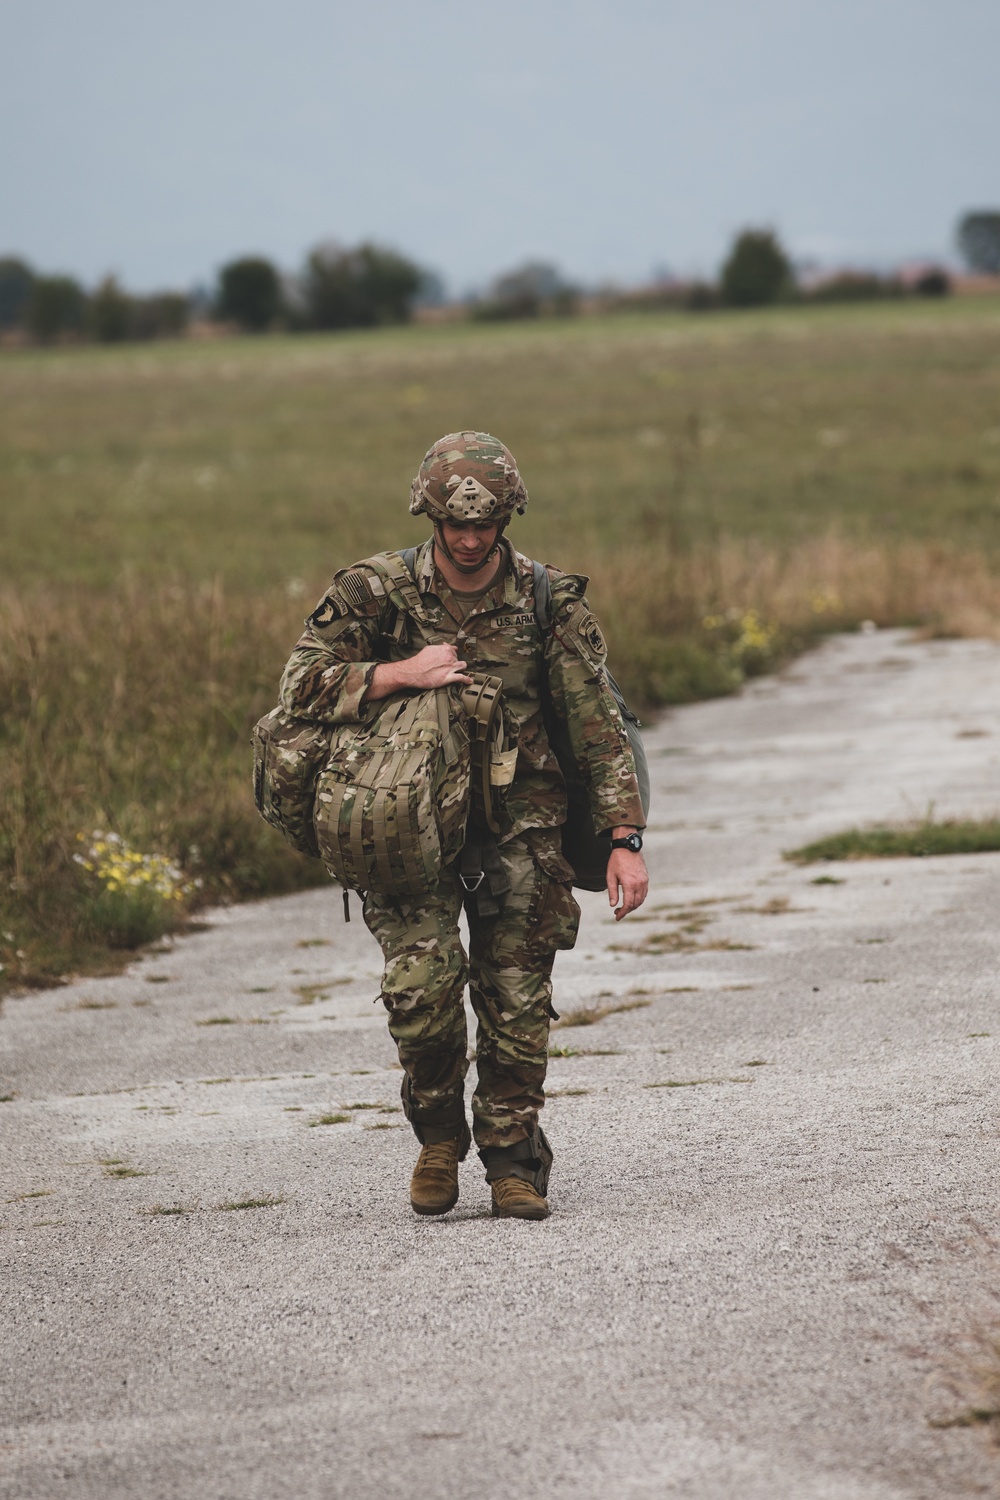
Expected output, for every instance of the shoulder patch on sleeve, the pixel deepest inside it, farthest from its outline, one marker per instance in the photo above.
(590, 631)
(327, 610)
(356, 591)
(575, 622)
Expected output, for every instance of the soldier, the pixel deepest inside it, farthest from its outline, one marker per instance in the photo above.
(477, 594)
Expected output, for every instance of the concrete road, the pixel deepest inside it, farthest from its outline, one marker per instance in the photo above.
(775, 1191)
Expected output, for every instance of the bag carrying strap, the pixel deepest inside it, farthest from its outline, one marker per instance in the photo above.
(482, 701)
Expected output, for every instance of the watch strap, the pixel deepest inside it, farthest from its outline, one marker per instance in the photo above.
(633, 842)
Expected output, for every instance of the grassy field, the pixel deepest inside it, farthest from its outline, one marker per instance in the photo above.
(733, 484)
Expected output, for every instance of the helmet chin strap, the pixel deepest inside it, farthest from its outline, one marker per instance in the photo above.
(467, 568)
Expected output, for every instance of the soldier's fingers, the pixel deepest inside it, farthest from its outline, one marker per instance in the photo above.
(633, 895)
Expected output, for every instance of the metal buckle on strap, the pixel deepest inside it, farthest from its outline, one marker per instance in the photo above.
(474, 882)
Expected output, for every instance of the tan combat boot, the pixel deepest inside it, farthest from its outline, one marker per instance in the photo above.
(434, 1184)
(514, 1198)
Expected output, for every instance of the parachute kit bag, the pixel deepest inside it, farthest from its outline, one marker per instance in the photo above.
(385, 804)
(393, 798)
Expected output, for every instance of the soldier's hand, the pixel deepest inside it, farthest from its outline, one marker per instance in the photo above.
(628, 882)
(433, 667)
(438, 666)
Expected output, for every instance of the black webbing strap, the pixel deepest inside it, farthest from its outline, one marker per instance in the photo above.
(542, 589)
(482, 874)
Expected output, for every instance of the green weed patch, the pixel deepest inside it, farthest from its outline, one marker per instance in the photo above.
(905, 841)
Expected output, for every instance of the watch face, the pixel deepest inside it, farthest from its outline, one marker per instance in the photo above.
(634, 842)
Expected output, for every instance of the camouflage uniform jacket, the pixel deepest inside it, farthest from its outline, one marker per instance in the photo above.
(359, 623)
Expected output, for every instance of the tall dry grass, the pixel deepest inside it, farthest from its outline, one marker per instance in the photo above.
(675, 622)
(130, 708)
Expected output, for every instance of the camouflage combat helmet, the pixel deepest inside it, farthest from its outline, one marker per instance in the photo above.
(468, 476)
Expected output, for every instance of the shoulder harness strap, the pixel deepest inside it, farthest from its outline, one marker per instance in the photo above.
(542, 585)
(397, 569)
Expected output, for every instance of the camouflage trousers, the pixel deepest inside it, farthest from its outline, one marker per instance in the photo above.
(508, 970)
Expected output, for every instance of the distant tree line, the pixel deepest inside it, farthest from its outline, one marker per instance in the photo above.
(364, 287)
(369, 286)
(50, 308)
(758, 272)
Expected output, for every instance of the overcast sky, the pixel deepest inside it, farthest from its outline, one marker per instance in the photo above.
(611, 136)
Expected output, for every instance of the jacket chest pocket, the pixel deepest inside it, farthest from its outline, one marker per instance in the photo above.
(511, 652)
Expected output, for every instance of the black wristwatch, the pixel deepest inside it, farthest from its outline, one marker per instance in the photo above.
(633, 842)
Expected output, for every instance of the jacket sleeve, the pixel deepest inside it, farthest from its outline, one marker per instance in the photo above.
(581, 697)
(331, 667)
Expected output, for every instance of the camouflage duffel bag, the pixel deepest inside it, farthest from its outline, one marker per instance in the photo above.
(385, 804)
(392, 801)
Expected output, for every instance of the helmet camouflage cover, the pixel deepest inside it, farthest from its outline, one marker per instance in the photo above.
(468, 476)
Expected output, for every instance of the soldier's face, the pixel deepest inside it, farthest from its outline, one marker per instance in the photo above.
(471, 542)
